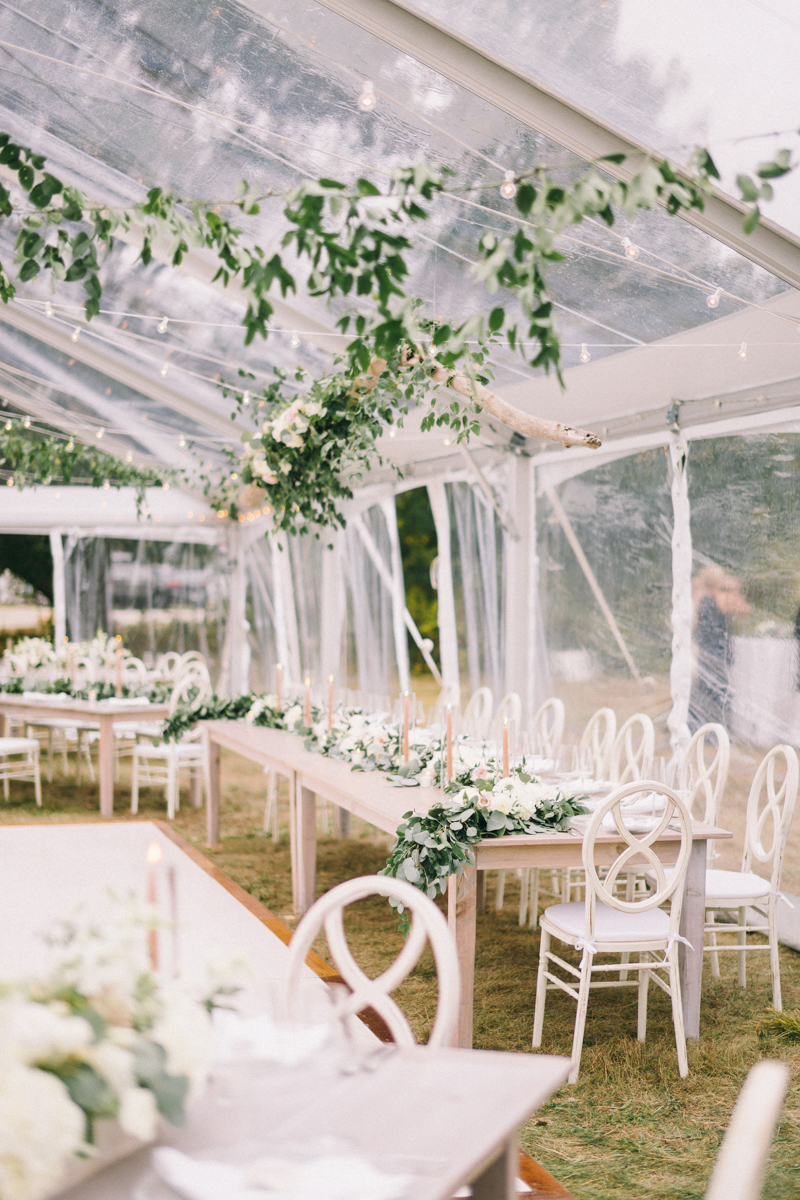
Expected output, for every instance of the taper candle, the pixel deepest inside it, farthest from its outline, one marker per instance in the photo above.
(153, 859)
(505, 747)
(278, 682)
(330, 703)
(119, 671)
(449, 769)
(405, 726)
(307, 714)
(71, 663)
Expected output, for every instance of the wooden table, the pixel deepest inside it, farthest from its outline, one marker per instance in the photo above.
(371, 797)
(102, 714)
(445, 1117)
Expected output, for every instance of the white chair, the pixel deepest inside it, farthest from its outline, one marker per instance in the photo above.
(604, 923)
(477, 716)
(739, 1170)
(19, 759)
(427, 923)
(167, 665)
(770, 803)
(632, 753)
(597, 740)
(547, 728)
(510, 707)
(159, 765)
(133, 672)
(709, 753)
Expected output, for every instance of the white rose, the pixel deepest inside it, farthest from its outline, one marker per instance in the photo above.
(184, 1030)
(40, 1032)
(285, 467)
(138, 1113)
(40, 1129)
(114, 1063)
(295, 441)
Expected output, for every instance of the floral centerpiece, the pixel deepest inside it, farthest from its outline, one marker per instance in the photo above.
(101, 1037)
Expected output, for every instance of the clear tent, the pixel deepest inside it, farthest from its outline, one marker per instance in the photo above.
(121, 97)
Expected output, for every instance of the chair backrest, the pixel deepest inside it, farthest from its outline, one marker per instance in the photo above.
(638, 852)
(547, 728)
(770, 808)
(166, 664)
(192, 688)
(709, 752)
(448, 695)
(134, 671)
(427, 923)
(509, 707)
(477, 716)
(632, 753)
(193, 656)
(598, 739)
(739, 1170)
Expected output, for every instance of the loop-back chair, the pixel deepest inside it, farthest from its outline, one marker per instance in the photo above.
(477, 716)
(598, 739)
(632, 754)
(427, 923)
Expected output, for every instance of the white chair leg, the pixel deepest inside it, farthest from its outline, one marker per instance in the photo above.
(37, 779)
(677, 1015)
(5, 781)
(580, 1015)
(172, 782)
(50, 756)
(774, 959)
(712, 941)
(641, 1023)
(741, 938)
(541, 991)
(501, 890)
(135, 783)
(524, 888)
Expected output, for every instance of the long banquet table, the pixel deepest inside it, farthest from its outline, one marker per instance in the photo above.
(371, 797)
(102, 714)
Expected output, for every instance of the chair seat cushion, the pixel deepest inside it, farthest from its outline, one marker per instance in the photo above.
(12, 745)
(735, 885)
(610, 924)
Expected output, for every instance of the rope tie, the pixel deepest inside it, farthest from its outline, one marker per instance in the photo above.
(676, 937)
(587, 947)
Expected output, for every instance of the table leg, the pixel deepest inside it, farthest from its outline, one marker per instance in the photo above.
(498, 1181)
(305, 856)
(461, 915)
(212, 789)
(693, 929)
(344, 822)
(106, 756)
(196, 786)
(481, 894)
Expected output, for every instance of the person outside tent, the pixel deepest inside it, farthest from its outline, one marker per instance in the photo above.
(717, 598)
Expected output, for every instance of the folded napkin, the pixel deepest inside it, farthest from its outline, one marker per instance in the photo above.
(330, 1177)
(237, 1038)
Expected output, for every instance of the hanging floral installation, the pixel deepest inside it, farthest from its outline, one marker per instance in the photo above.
(353, 242)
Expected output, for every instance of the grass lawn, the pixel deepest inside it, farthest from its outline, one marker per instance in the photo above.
(631, 1128)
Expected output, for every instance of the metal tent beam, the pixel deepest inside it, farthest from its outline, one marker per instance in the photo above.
(559, 119)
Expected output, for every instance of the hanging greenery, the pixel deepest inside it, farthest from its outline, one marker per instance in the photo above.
(352, 242)
(28, 458)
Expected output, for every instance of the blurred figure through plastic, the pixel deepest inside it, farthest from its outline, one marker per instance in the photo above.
(716, 598)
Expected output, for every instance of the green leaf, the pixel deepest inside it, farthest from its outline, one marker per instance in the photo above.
(44, 191)
(28, 270)
(496, 318)
(752, 219)
(780, 165)
(613, 158)
(748, 189)
(26, 176)
(525, 198)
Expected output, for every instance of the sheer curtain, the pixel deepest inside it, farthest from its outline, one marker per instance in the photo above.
(478, 579)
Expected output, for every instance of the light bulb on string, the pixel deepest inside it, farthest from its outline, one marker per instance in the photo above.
(164, 369)
(27, 422)
(76, 333)
(508, 188)
(245, 398)
(8, 425)
(100, 432)
(584, 355)
(162, 325)
(294, 340)
(182, 442)
(743, 350)
(128, 458)
(48, 309)
(70, 444)
(367, 98)
(631, 250)
(713, 300)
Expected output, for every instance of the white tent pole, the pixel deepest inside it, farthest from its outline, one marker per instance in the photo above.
(571, 536)
(386, 576)
(389, 510)
(59, 587)
(520, 584)
(446, 604)
(680, 675)
(237, 608)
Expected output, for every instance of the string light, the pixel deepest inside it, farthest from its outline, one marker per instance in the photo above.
(508, 188)
(743, 350)
(27, 422)
(100, 432)
(294, 340)
(9, 483)
(165, 486)
(128, 458)
(106, 485)
(584, 356)
(182, 442)
(76, 333)
(8, 424)
(162, 325)
(713, 300)
(70, 444)
(631, 250)
(164, 369)
(447, 441)
(48, 309)
(245, 398)
(392, 432)
(367, 98)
